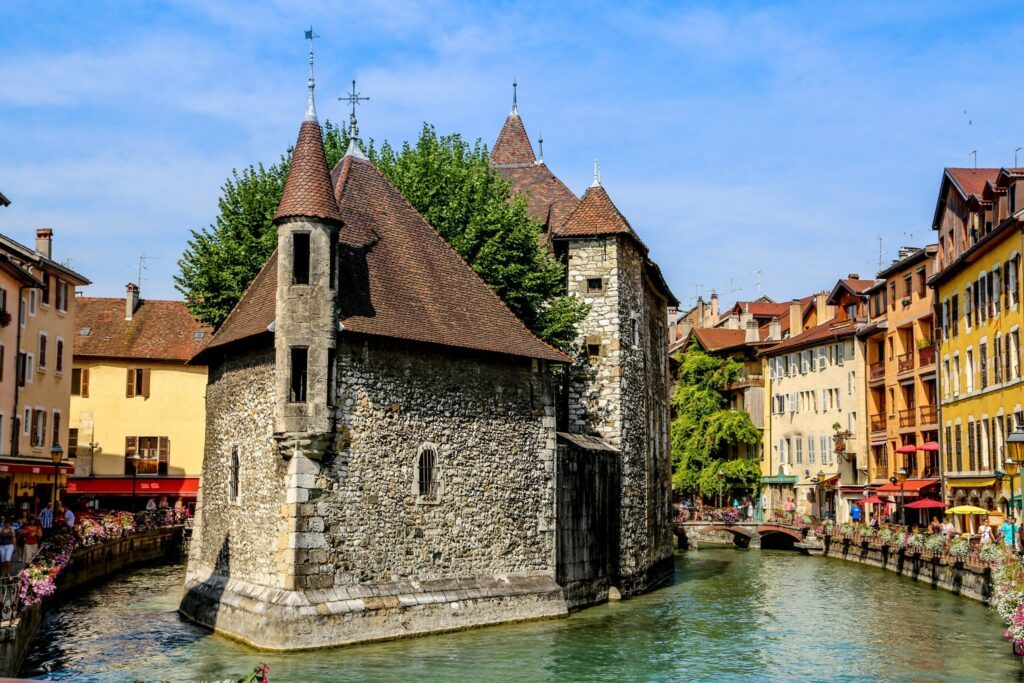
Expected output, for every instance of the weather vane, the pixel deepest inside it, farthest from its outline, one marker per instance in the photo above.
(310, 107)
(353, 98)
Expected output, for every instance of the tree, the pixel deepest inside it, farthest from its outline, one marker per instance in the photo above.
(704, 427)
(448, 181)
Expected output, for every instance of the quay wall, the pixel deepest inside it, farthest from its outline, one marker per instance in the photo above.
(88, 565)
(966, 579)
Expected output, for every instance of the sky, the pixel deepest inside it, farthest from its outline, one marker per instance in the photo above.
(755, 147)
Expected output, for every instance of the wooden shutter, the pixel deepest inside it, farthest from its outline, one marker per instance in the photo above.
(164, 450)
(60, 356)
(56, 429)
(130, 445)
(129, 389)
(85, 383)
(145, 383)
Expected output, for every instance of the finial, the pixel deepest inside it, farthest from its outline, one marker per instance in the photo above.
(310, 107)
(353, 98)
(540, 144)
(515, 106)
(597, 175)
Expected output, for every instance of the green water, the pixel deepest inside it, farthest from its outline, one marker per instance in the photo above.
(729, 615)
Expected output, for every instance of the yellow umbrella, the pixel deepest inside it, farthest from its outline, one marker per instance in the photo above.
(966, 510)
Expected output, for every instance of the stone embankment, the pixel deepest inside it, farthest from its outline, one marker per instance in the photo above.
(964, 578)
(87, 565)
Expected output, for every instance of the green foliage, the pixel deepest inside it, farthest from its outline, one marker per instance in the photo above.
(704, 428)
(447, 180)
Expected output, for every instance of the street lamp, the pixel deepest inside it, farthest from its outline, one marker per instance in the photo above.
(56, 455)
(901, 475)
(721, 482)
(1000, 475)
(819, 480)
(135, 458)
(1015, 453)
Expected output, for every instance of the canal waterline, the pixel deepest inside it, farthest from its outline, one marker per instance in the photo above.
(729, 615)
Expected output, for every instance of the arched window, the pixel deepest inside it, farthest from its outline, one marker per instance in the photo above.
(233, 480)
(428, 474)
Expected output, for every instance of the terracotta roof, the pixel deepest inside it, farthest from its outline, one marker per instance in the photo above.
(158, 330)
(715, 338)
(548, 199)
(596, 214)
(307, 192)
(397, 278)
(971, 181)
(814, 336)
(760, 309)
(513, 145)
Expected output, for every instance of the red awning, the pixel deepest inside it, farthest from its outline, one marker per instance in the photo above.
(32, 466)
(930, 446)
(909, 448)
(911, 487)
(186, 487)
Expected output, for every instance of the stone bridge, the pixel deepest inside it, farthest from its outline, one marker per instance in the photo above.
(744, 534)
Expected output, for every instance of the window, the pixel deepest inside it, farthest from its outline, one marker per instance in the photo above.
(137, 383)
(955, 315)
(822, 361)
(62, 296)
(956, 375)
(154, 453)
(810, 450)
(33, 297)
(959, 446)
(849, 384)
(30, 362)
(799, 451)
(80, 382)
(949, 448)
(26, 424)
(997, 360)
(300, 356)
(21, 312)
(983, 363)
(300, 258)
(38, 433)
(804, 365)
(970, 444)
(233, 482)
(851, 421)
(826, 454)
(42, 350)
(44, 295)
(840, 349)
(59, 359)
(1014, 354)
(969, 370)
(595, 284)
(427, 475)
(634, 331)
(55, 440)
(72, 442)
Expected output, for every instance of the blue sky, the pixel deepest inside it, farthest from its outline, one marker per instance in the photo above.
(738, 137)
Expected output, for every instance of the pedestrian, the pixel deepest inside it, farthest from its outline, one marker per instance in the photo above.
(151, 505)
(947, 528)
(986, 534)
(855, 513)
(1008, 531)
(30, 535)
(8, 536)
(46, 517)
(69, 518)
(750, 510)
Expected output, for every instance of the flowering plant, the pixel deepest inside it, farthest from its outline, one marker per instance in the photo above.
(900, 537)
(960, 548)
(867, 531)
(918, 541)
(886, 535)
(936, 543)
(990, 552)
(846, 529)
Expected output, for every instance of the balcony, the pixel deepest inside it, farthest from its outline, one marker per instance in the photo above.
(878, 423)
(908, 418)
(926, 356)
(877, 371)
(928, 414)
(905, 362)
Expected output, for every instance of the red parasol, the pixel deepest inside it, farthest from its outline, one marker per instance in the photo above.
(909, 448)
(926, 503)
(930, 446)
(873, 500)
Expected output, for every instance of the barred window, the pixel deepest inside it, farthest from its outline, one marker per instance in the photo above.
(233, 493)
(428, 474)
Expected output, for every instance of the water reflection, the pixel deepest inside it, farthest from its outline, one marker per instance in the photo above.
(730, 615)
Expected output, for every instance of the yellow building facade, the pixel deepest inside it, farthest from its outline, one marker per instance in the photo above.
(138, 409)
(980, 316)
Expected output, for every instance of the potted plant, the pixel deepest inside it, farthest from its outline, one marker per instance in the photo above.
(935, 544)
(960, 549)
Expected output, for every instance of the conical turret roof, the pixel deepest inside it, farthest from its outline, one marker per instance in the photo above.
(513, 145)
(596, 214)
(307, 191)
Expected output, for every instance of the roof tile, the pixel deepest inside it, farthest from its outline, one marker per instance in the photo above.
(158, 330)
(307, 191)
(513, 145)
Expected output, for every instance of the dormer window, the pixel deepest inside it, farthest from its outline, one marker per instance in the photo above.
(300, 258)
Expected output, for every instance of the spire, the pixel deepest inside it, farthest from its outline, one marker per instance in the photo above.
(353, 98)
(515, 106)
(513, 148)
(597, 175)
(307, 191)
(540, 150)
(310, 106)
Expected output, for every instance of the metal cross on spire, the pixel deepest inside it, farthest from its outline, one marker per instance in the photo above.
(515, 105)
(540, 144)
(353, 98)
(310, 107)
(597, 175)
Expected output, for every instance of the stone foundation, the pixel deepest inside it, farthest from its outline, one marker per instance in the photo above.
(273, 619)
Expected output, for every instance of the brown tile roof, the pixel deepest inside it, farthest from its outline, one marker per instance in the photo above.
(596, 214)
(760, 309)
(831, 330)
(715, 338)
(307, 191)
(548, 199)
(513, 145)
(158, 330)
(398, 278)
(971, 181)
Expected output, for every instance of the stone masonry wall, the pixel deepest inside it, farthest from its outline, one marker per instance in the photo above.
(240, 538)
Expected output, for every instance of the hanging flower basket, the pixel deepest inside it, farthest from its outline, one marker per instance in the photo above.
(5, 318)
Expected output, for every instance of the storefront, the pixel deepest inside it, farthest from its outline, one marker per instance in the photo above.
(128, 493)
(778, 488)
(907, 492)
(26, 484)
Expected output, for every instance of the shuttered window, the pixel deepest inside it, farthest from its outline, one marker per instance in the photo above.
(137, 383)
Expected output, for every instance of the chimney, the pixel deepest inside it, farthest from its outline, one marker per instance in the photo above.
(775, 330)
(853, 276)
(796, 318)
(131, 301)
(714, 308)
(825, 312)
(44, 241)
(749, 326)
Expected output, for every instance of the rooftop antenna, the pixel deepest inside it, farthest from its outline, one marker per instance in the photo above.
(141, 268)
(540, 143)
(597, 174)
(760, 293)
(515, 105)
(353, 98)
(1015, 156)
(880, 256)
(697, 290)
(310, 108)
(732, 286)
(974, 153)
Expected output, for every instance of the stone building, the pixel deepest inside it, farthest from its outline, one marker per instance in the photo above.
(382, 456)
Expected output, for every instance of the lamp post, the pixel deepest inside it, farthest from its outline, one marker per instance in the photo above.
(818, 480)
(901, 475)
(1015, 453)
(1000, 475)
(135, 458)
(56, 455)
(721, 483)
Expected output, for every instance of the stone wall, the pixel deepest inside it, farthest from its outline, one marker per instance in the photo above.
(969, 580)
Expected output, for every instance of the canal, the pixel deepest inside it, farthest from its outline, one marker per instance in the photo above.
(729, 615)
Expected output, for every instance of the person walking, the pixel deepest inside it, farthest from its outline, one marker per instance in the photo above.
(8, 536)
(30, 535)
(46, 518)
(855, 513)
(1008, 532)
(69, 518)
